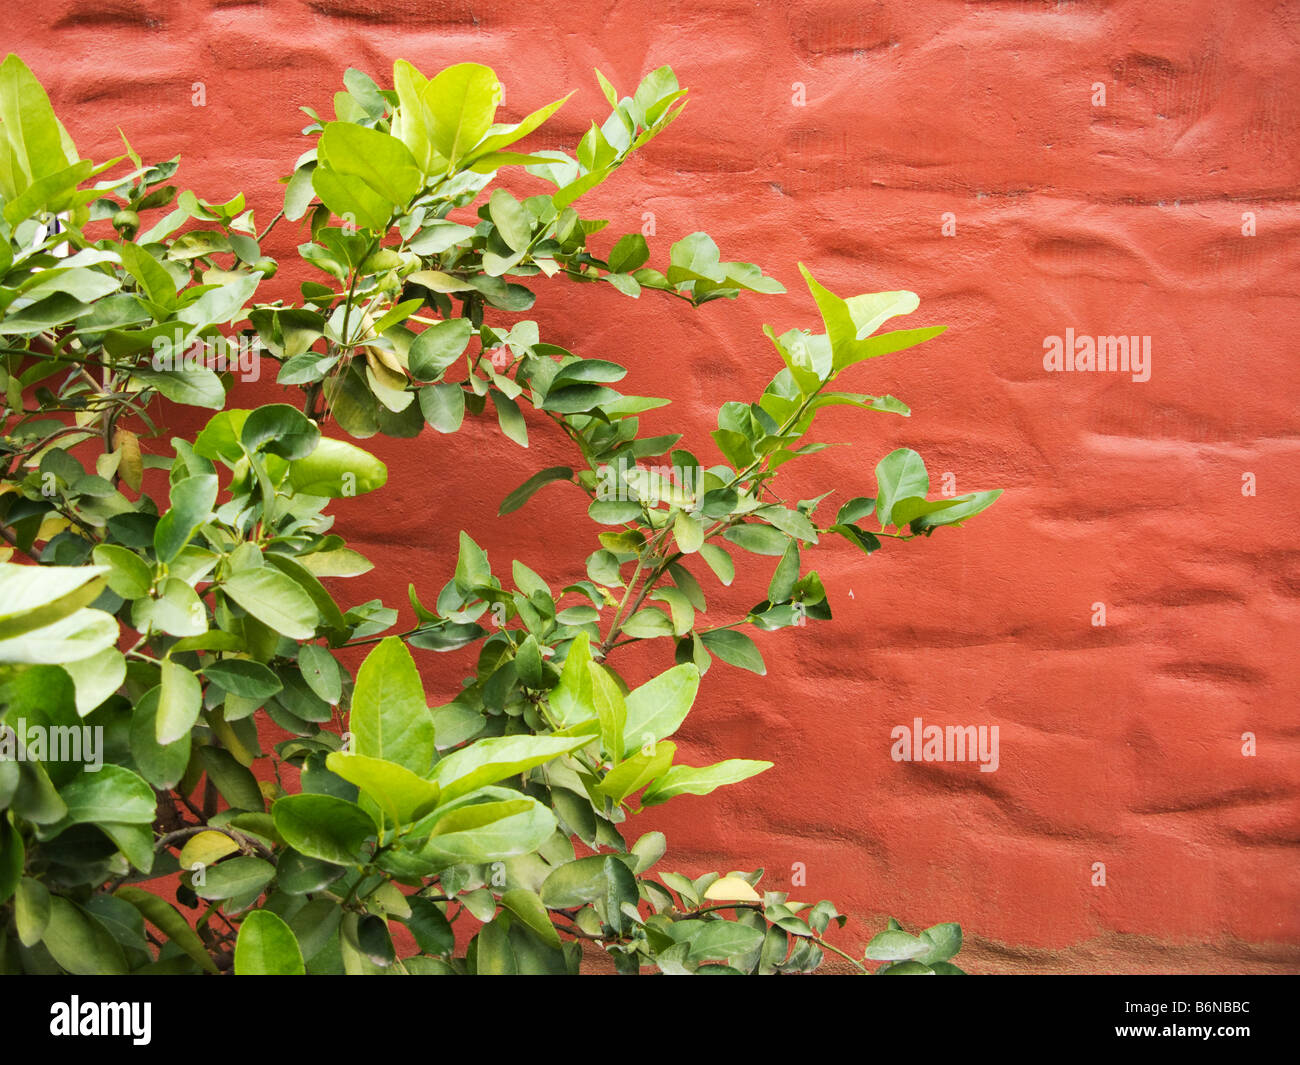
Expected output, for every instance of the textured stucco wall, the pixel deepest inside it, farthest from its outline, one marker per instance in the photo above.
(1119, 744)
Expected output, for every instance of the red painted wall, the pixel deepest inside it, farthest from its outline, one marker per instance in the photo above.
(1119, 744)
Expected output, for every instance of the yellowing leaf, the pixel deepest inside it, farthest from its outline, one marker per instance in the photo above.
(732, 889)
(206, 848)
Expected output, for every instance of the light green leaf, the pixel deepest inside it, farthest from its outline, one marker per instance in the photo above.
(267, 947)
(275, 600)
(462, 101)
(379, 159)
(572, 700)
(658, 707)
(32, 597)
(336, 469)
(401, 794)
(689, 780)
(390, 718)
(180, 699)
(611, 710)
(489, 760)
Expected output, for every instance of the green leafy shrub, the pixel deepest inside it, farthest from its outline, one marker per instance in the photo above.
(179, 593)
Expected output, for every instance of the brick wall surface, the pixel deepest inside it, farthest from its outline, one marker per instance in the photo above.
(1120, 744)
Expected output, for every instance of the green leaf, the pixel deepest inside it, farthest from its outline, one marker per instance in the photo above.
(193, 387)
(220, 305)
(496, 141)
(942, 942)
(433, 934)
(906, 968)
(720, 562)
(176, 611)
(575, 883)
(321, 671)
(855, 508)
(279, 429)
(128, 574)
(849, 322)
(31, 128)
(963, 508)
(161, 766)
(81, 944)
(647, 624)
(688, 530)
(440, 345)
(79, 636)
(349, 197)
(275, 600)
(234, 878)
(758, 539)
(267, 947)
(899, 474)
(156, 283)
(323, 826)
(437, 235)
(588, 371)
(682, 601)
(493, 955)
(486, 831)
(735, 648)
(871, 310)
(531, 911)
(630, 253)
(781, 587)
(914, 508)
(31, 909)
(163, 916)
(887, 344)
(113, 793)
(232, 779)
(575, 399)
(509, 418)
(511, 219)
(206, 847)
(525, 491)
(724, 939)
(894, 945)
(191, 506)
(252, 680)
(689, 780)
(443, 406)
(390, 718)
